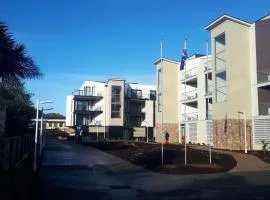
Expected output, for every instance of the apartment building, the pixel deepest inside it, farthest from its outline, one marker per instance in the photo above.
(186, 99)
(241, 73)
(217, 98)
(115, 108)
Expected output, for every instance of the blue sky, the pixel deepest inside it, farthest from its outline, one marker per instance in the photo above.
(73, 41)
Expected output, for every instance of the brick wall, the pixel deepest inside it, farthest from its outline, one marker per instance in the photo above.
(171, 128)
(230, 134)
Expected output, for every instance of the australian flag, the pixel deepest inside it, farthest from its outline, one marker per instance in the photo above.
(183, 60)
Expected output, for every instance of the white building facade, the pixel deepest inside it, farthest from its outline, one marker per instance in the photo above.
(116, 108)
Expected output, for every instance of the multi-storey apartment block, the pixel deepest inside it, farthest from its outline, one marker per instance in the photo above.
(118, 109)
(220, 97)
(186, 99)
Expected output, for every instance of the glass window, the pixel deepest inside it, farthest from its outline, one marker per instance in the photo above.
(159, 90)
(116, 102)
(50, 124)
(152, 95)
(82, 105)
(136, 94)
(220, 68)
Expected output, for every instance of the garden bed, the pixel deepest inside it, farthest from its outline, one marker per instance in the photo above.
(149, 156)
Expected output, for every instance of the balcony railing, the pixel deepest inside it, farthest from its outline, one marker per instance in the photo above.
(189, 96)
(141, 96)
(264, 108)
(190, 116)
(88, 109)
(87, 93)
(189, 73)
(263, 77)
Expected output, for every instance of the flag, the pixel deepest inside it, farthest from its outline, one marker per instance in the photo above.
(183, 60)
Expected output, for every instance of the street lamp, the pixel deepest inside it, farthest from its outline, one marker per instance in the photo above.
(245, 126)
(41, 130)
(36, 132)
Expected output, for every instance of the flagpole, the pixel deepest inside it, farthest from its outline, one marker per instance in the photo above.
(185, 47)
(161, 56)
(207, 100)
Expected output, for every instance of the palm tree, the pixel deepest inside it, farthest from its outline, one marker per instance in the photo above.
(14, 61)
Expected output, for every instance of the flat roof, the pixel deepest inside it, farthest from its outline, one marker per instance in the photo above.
(223, 18)
(165, 59)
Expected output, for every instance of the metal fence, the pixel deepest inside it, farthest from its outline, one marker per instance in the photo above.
(15, 150)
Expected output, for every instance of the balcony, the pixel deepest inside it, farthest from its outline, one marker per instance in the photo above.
(83, 94)
(190, 96)
(140, 97)
(190, 117)
(208, 92)
(88, 110)
(263, 77)
(264, 108)
(190, 76)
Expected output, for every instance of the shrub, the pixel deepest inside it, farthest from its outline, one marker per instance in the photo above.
(264, 146)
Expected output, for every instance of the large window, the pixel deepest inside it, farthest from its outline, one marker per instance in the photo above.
(137, 94)
(116, 102)
(159, 90)
(220, 68)
(82, 105)
(152, 95)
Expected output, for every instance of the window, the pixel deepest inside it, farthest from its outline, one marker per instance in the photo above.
(81, 105)
(50, 124)
(61, 124)
(159, 90)
(87, 91)
(220, 68)
(152, 95)
(55, 124)
(137, 94)
(116, 102)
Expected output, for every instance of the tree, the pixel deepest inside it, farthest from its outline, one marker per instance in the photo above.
(14, 61)
(15, 67)
(54, 116)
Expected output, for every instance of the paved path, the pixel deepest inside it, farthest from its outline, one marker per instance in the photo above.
(245, 162)
(72, 171)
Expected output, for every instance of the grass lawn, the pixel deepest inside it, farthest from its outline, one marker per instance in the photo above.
(149, 156)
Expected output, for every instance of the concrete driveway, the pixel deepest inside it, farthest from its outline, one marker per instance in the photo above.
(71, 171)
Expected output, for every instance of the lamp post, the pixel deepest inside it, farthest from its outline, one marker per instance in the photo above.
(41, 130)
(36, 132)
(245, 128)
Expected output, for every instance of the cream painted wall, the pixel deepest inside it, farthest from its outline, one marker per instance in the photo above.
(170, 92)
(238, 70)
(115, 121)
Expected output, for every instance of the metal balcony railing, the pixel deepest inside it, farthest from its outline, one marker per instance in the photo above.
(190, 116)
(88, 93)
(141, 96)
(89, 108)
(189, 73)
(190, 95)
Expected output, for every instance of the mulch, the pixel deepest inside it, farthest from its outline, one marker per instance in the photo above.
(148, 155)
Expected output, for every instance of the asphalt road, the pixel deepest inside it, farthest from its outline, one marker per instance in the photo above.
(72, 171)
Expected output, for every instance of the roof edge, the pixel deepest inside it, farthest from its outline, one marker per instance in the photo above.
(165, 59)
(223, 18)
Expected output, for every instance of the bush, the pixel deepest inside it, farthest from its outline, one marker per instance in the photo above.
(264, 146)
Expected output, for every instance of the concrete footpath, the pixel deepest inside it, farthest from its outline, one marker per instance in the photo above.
(72, 171)
(245, 162)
